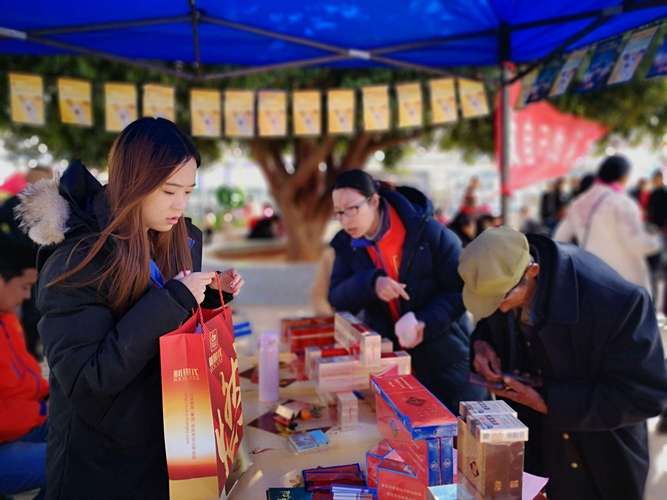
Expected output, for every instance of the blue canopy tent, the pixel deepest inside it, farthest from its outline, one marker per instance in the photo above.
(248, 36)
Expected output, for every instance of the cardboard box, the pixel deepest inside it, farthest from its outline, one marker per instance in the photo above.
(423, 437)
(494, 467)
(375, 456)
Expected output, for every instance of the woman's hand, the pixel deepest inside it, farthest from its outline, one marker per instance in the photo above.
(230, 280)
(196, 283)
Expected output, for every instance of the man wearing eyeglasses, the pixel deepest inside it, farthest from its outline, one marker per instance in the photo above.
(577, 351)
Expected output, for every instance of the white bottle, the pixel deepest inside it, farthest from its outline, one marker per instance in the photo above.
(269, 376)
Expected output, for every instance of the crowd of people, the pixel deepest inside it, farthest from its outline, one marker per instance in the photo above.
(559, 322)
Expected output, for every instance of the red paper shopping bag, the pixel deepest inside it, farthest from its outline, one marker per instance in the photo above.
(201, 404)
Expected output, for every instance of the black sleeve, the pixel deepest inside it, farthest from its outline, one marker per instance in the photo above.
(91, 352)
(632, 385)
(349, 290)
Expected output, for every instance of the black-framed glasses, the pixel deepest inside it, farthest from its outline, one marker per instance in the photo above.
(350, 211)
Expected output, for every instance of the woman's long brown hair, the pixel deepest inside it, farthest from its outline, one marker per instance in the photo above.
(141, 159)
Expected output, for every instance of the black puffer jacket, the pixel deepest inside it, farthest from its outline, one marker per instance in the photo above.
(105, 416)
(429, 269)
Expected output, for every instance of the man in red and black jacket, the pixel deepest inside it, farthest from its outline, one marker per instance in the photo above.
(23, 390)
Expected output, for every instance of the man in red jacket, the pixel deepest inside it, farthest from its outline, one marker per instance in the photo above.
(23, 390)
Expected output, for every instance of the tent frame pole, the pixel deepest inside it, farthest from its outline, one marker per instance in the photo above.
(505, 49)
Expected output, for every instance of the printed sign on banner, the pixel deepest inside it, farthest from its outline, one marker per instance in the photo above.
(544, 143)
(659, 66)
(75, 101)
(307, 112)
(409, 105)
(239, 113)
(120, 105)
(632, 54)
(567, 72)
(526, 86)
(473, 98)
(602, 63)
(27, 98)
(159, 101)
(205, 112)
(443, 101)
(272, 113)
(376, 107)
(340, 111)
(544, 81)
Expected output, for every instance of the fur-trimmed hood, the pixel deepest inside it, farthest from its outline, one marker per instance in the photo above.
(51, 210)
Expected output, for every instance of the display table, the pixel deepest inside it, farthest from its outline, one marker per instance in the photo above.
(274, 462)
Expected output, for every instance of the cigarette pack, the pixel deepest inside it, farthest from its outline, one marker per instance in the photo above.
(386, 345)
(375, 456)
(430, 458)
(501, 428)
(300, 337)
(477, 408)
(286, 323)
(399, 359)
(443, 492)
(397, 481)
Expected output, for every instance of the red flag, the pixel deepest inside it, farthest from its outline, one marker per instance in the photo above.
(544, 142)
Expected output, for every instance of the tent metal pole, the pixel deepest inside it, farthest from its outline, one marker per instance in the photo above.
(195, 35)
(110, 26)
(505, 47)
(301, 63)
(505, 144)
(104, 55)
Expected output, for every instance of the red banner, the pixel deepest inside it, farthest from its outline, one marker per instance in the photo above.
(544, 143)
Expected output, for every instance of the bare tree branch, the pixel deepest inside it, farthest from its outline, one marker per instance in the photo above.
(354, 150)
(309, 163)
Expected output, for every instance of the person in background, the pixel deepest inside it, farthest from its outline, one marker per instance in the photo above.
(395, 267)
(440, 216)
(608, 223)
(588, 347)
(23, 390)
(528, 224)
(464, 227)
(484, 222)
(552, 203)
(9, 226)
(125, 270)
(641, 193)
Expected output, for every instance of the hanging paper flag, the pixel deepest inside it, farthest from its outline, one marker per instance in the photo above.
(27, 98)
(544, 81)
(205, 112)
(409, 105)
(239, 113)
(632, 54)
(75, 101)
(120, 105)
(473, 98)
(159, 101)
(341, 111)
(376, 107)
(272, 113)
(443, 101)
(526, 86)
(601, 65)
(567, 72)
(306, 112)
(659, 66)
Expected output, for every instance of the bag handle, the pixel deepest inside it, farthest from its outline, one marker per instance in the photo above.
(200, 313)
(589, 221)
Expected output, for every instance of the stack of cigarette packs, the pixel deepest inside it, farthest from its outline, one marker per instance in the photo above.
(359, 353)
(300, 333)
(348, 409)
(420, 429)
(490, 449)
